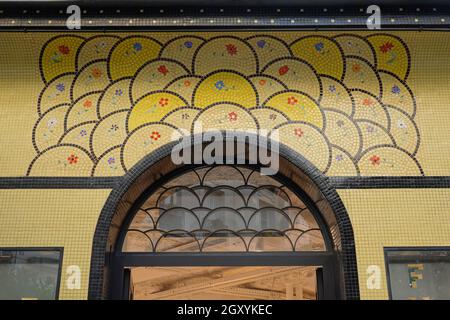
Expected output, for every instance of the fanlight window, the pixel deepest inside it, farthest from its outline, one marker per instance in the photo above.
(223, 209)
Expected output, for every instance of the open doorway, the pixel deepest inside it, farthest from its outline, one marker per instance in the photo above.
(225, 283)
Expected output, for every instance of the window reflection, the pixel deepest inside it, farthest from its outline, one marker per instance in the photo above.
(29, 274)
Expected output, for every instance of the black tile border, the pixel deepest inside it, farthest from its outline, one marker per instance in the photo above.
(337, 182)
(390, 182)
(59, 182)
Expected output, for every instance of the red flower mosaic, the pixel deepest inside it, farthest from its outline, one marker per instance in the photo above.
(375, 160)
(155, 135)
(262, 82)
(163, 70)
(367, 102)
(87, 104)
(163, 102)
(96, 73)
(356, 67)
(232, 116)
(386, 47)
(64, 49)
(283, 70)
(231, 49)
(72, 159)
(298, 132)
(292, 101)
(187, 83)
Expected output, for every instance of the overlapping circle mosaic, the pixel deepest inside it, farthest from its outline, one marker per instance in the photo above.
(343, 102)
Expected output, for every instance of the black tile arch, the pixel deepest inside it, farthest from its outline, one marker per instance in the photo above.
(157, 166)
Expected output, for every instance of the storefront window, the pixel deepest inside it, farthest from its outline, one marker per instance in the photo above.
(29, 274)
(422, 274)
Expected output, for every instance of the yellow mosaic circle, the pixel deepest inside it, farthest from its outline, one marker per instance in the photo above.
(396, 93)
(295, 75)
(182, 118)
(59, 56)
(152, 108)
(116, 97)
(182, 49)
(342, 131)
(307, 140)
(130, 54)
(225, 87)
(268, 118)
(155, 75)
(93, 77)
(353, 45)
(336, 96)
(268, 48)
(225, 116)
(322, 53)
(227, 53)
(83, 110)
(50, 127)
(368, 107)
(62, 160)
(266, 86)
(359, 74)
(373, 134)
(109, 132)
(78, 135)
(109, 164)
(341, 163)
(392, 54)
(146, 139)
(55, 93)
(96, 48)
(388, 161)
(185, 86)
(297, 107)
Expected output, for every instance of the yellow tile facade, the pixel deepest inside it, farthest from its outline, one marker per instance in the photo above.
(54, 218)
(394, 218)
(353, 104)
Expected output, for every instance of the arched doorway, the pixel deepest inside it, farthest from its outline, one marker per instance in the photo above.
(270, 244)
(224, 232)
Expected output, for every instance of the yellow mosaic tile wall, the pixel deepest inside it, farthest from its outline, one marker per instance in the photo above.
(353, 104)
(394, 218)
(54, 218)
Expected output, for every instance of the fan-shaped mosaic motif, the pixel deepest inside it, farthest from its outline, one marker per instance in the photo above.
(343, 102)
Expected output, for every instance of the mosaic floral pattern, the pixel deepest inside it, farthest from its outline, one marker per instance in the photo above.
(343, 102)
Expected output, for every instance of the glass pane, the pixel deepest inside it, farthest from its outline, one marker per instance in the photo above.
(178, 197)
(28, 274)
(311, 240)
(224, 176)
(177, 241)
(224, 197)
(269, 218)
(142, 221)
(223, 200)
(419, 275)
(224, 218)
(178, 218)
(137, 241)
(224, 283)
(224, 241)
(269, 197)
